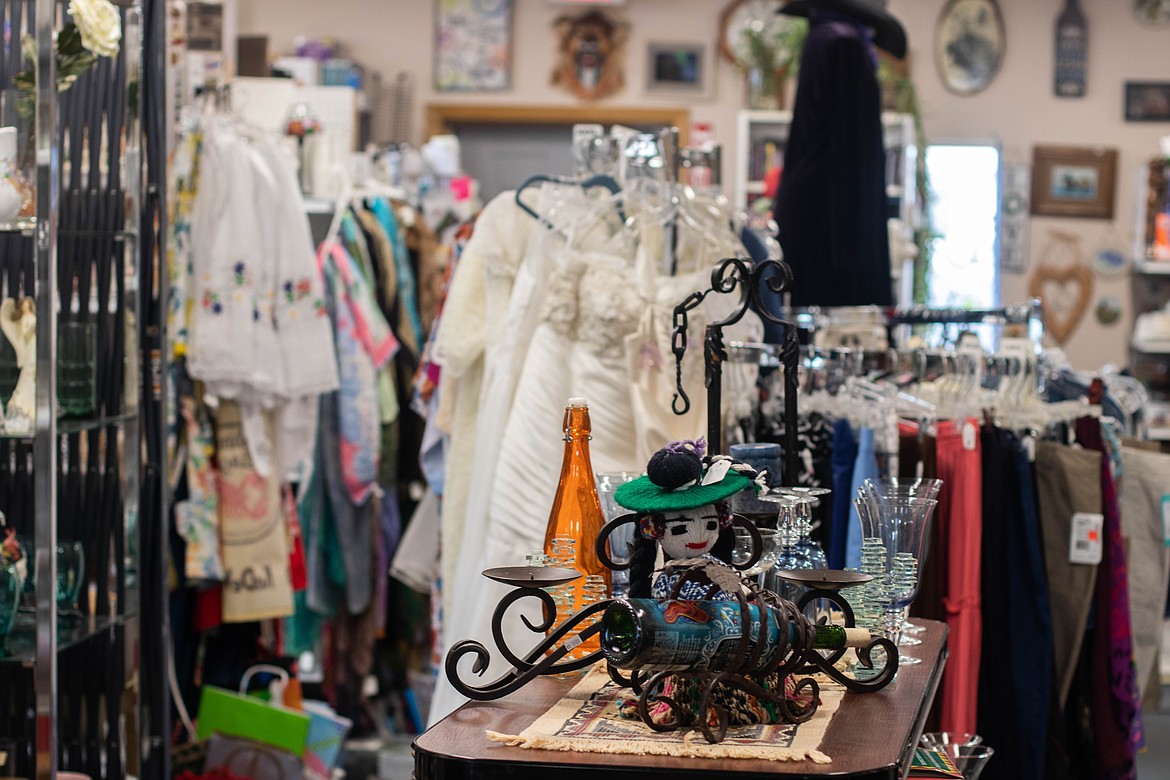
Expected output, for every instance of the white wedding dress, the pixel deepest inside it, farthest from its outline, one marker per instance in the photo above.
(575, 313)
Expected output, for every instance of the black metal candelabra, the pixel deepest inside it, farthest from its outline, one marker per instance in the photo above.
(794, 700)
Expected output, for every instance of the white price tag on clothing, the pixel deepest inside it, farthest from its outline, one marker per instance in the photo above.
(1166, 519)
(1085, 544)
(970, 436)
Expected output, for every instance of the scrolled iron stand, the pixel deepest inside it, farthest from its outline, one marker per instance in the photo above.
(743, 673)
(748, 276)
(795, 658)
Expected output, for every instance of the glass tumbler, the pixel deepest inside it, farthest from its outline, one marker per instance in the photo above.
(76, 369)
(894, 534)
(70, 576)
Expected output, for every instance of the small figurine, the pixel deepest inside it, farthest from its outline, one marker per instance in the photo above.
(18, 321)
(683, 507)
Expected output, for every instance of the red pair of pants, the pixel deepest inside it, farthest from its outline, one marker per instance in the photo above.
(960, 512)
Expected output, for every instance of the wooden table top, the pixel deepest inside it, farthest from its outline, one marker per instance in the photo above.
(872, 735)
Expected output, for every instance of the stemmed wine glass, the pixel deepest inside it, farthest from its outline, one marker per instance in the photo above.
(769, 555)
(621, 541)
(806, 498)
(894, 533)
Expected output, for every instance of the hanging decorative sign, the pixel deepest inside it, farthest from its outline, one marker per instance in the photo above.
(1064, 288)
(1072, 48)
(1013, 219)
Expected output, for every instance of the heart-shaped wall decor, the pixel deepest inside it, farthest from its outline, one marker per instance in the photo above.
(1064, 293)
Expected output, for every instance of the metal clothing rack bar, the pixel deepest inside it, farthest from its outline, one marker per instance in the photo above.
(1030, 314)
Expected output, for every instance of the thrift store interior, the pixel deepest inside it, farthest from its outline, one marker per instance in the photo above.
(518, 388)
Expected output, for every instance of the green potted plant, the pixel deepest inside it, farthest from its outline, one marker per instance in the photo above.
(770, 53)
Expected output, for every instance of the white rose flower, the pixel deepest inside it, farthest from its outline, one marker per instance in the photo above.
(99, 25)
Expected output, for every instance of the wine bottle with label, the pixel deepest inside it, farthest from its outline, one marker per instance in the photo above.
(678, 635)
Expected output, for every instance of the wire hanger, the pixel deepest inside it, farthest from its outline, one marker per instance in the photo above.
(602, 180)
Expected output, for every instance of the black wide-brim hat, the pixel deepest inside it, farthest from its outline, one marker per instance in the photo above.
(888, 33)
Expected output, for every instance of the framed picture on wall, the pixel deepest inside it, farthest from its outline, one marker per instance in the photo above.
(1073, 181)
(678, 69)
(1147, 101)
(473, 45)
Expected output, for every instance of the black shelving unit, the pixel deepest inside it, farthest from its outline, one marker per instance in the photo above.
(84, 675)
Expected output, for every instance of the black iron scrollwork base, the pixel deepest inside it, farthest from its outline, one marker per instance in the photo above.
(826, 664)
(546, 658)
(777, 640)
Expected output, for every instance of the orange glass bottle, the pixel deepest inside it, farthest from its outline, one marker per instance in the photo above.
(575, 522)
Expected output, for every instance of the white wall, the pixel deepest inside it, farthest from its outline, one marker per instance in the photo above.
(1017, 110)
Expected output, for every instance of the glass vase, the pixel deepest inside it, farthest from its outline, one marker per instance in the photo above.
(765, 89)
(11, 584)
(894, 533)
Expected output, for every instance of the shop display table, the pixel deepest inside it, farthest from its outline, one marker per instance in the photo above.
(871, 736)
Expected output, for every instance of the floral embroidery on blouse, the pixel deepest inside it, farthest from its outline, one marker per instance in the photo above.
(212, 302)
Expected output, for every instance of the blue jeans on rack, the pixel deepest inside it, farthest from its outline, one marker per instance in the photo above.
(865, 467)
(843, 457)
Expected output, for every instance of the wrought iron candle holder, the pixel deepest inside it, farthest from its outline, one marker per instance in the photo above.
(795, 700)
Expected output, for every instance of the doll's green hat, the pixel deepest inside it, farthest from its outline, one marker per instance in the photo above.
(678, 476)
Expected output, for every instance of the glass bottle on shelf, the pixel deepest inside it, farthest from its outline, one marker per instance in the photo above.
(575, 522)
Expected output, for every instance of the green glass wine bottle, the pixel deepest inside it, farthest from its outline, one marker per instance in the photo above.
(679, 635)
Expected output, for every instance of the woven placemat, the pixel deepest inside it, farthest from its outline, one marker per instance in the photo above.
(586, 720)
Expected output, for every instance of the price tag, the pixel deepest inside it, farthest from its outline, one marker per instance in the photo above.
(970, 436)
(575, 640)
(1166, 519)
(1085, 544)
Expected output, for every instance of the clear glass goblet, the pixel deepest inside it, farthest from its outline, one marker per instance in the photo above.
(908, 488)
(621, 541)
(894, 533)
(769, 554)
(966, 751)
(806, 499)
(971, 760)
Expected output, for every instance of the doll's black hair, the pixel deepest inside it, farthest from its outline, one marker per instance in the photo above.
(646, 551)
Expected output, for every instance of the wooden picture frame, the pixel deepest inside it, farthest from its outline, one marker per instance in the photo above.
(1147, 101)
(678, 69)
(1074, 181)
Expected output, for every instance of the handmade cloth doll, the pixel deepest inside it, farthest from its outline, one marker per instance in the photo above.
(682, 504)
(683, 507)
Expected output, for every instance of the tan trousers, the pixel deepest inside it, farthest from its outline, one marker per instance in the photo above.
(1145, 481)
(1068, 480)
